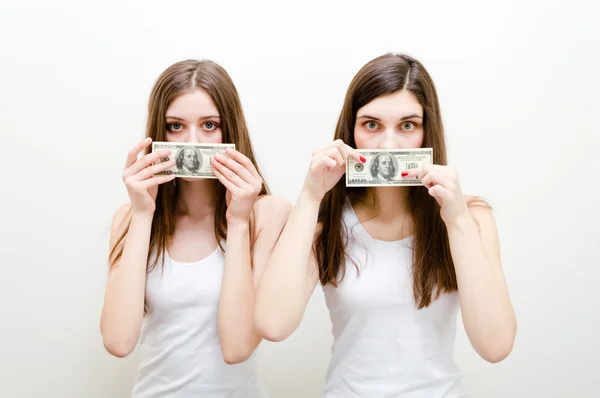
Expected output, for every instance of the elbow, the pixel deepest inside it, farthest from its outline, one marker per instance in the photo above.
(274, 335)
(235, 349)
(235, 353)
(498, 350)
(275, 323)
(119, 350)
(496, 354)
(117, 341)
(270, 329)
(233, 357)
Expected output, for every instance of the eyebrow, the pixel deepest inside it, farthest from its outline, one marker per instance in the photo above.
(413, 116)
(202, 118)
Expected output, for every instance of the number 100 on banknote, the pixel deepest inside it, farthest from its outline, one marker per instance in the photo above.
(384, 167)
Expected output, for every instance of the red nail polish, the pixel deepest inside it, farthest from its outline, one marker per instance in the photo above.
(362, 159)
(404, 173)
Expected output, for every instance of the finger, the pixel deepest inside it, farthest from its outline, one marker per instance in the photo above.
(439, 193)
(325, 163)
(147, 160)
(429, 168)
(235, 166)
(423, 171)
(231, 187)
(229, 174)
(437, 178)
(135, 151)
(327, 147)
(244, 161)
(335, 154)
(410, 173)
(417, 173)
(354, 154)
(152, 170)
(156, 180)
(330, 163)
(349, 152)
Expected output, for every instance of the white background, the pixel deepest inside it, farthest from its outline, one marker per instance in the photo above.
(518, 84)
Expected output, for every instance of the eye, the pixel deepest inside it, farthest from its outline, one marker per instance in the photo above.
(408, 126)
(371, 125)
(210, 126)
(174, 127)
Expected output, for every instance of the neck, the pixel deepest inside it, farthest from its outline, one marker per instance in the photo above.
(387, 203)
(195, 198)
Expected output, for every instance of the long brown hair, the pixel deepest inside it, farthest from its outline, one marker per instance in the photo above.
(177, 79)
(433, 268)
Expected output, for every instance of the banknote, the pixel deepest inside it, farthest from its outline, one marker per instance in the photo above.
(191, 160)
(384, 167)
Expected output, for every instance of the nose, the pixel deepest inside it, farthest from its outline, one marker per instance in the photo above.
(192, 135)
(389, 140)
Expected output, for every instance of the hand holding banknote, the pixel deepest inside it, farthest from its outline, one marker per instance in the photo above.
(237, 173)
(327, 166)
(139, 176)
(443, 184)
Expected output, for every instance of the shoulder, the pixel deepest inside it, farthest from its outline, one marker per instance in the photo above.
(482, 214)
(121, 217)
(481, 211)
(476, 203)
(271, 214)
(120, 223)
(272, 208)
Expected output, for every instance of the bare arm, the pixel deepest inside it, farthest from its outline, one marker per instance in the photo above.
(487, 312)
(486, 308)
(291, 275)
(123, 308)
(236, 308)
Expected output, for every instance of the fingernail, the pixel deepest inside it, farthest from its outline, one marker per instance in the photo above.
(404, 173)
(362, 159)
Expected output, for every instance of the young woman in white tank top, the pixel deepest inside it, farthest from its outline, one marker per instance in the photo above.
(186, 254)
(396, 263)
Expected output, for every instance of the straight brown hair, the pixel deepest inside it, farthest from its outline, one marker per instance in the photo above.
(179, 78)
(433, 268)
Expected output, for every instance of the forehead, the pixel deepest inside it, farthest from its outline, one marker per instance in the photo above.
(191, 105)
(393, 106)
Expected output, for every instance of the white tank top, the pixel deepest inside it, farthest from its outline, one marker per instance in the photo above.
(181, 350)
(383, 346)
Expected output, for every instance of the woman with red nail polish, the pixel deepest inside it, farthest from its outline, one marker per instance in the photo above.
(396, 263)
(186, 254)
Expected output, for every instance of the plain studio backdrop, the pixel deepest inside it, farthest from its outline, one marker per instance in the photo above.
(518, 84)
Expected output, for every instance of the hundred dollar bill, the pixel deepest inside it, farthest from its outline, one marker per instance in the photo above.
(383, 167)
(191, 160)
